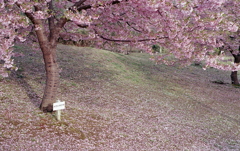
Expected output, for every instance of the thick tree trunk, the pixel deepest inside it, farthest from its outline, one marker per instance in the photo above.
(234, 76)
(52, 81)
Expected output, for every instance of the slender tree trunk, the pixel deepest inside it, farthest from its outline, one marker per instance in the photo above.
(48, 44)
(48, 47)
(52, 81)
(234, 76)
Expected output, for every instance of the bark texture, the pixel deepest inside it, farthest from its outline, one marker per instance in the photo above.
(52, 74)
(234, 76)
(52, 82)
(48, 47)
(48, 44)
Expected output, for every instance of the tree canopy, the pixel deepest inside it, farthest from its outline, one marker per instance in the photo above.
(190, 30)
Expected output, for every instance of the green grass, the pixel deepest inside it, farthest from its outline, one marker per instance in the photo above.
(177, 107)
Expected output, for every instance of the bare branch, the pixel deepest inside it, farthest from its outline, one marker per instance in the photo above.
(133, 27)
(133, 40)
(51, 23)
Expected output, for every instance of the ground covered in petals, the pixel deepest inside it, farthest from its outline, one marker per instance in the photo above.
(118, 102)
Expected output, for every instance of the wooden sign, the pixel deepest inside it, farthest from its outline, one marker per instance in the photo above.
(58, 106)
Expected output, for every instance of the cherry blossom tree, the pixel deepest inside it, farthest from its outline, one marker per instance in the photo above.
(203, 27)
(231, 40)
(188, 29)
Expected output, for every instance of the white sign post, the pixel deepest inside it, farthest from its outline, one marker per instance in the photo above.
(58, 106)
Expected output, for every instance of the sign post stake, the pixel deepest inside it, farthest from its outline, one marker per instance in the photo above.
(58, 106)
(58, 114)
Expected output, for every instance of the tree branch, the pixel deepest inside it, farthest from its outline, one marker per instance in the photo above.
(139, 40)
(77, 4)
(80, 7)
(83, 25)
(133, 27)
(56, 31)
(51, 23)
(84, 7)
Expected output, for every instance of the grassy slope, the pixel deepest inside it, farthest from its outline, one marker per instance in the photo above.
(119, 102)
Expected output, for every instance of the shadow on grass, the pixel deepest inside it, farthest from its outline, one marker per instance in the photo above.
(32, 95)
(76, 64)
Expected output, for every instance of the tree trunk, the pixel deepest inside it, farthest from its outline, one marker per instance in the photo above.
(52, 81)
(48, 48)
(48, 45)
(234, 76)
